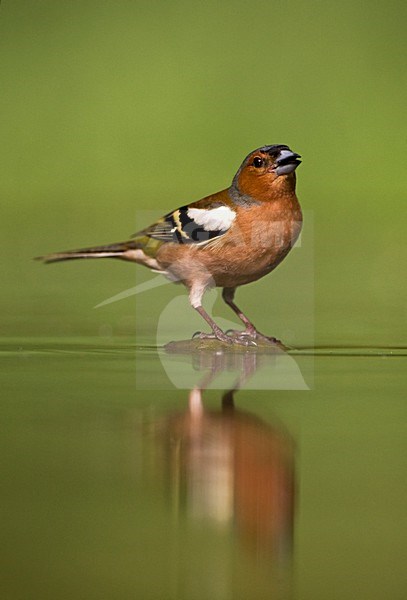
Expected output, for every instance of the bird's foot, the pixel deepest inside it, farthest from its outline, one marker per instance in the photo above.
(223, 337)
(251, 333)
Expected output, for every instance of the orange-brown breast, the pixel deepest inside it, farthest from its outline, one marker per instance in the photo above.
(258, 240)
(256, 245)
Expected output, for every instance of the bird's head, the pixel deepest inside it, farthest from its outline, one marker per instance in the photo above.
(267, 171)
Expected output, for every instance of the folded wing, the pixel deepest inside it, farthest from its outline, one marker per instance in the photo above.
(191, 225)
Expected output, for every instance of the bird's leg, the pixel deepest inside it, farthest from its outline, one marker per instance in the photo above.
(195, 296)
(228, 295)
(250, 331)
(216, 330)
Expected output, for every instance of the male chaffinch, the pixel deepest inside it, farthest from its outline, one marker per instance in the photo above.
(226, 240)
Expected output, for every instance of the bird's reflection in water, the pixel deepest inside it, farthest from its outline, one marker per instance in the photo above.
(229, 469)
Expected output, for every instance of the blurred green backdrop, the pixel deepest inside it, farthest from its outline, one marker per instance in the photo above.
(112, 108)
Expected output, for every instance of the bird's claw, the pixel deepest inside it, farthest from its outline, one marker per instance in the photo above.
(243, 341)
(252, 334)
(224, 337)
(199, 335)
(236, 333)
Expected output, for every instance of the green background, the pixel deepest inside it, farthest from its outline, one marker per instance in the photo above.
(109, 109)
(112, 113)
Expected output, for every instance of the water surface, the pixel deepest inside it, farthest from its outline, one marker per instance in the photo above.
(220, 484)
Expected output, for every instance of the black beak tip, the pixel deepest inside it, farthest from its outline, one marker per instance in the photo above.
(287, 162)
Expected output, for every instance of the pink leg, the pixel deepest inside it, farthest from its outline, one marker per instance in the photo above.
(228, 295)
(195, 295)
(217, 331)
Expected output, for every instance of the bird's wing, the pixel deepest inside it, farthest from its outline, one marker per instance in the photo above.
(197, 223)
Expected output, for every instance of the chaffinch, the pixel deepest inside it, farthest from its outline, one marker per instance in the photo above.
(228, 239)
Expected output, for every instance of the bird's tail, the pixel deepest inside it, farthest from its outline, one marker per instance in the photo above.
(118, 250)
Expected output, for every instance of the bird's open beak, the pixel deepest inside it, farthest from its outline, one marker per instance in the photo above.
(286, 162)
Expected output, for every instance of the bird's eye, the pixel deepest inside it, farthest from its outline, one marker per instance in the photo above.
(257, 162)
